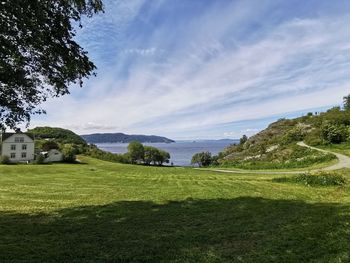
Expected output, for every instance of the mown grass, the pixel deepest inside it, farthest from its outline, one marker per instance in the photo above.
(107, 212)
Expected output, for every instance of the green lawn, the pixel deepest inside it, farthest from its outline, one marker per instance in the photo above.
(107, 212)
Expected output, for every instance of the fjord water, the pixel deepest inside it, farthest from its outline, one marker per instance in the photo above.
(180, 151)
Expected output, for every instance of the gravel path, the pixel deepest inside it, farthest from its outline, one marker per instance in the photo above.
(343, 162)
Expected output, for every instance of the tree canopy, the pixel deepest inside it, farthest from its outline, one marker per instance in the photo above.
(202, 159)
(58, 134)
(136, 151)
(39, 57)
(346, 102)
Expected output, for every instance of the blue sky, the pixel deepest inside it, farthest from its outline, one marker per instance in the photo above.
(205, 69)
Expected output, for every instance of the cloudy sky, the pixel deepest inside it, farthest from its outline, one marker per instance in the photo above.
(191, 69)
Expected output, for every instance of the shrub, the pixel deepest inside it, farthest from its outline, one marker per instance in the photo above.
(49, 145)
(39, 159)
(314, 138)
(69, 152)
(315, 179)
(4, 159)
(294, 135)
(243, 139)
(335, 133)
(202, 159)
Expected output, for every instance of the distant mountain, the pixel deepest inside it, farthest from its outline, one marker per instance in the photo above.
(123, 138)
(231, 141)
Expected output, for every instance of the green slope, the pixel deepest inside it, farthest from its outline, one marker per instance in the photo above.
(58, 134)
(276, 146)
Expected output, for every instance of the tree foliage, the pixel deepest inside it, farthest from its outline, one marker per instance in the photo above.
(49, 145)
(39, 57)
(202, 159)
(243, 139)
(346, 102)
(57, 134)
(69, 152)
(136, 152)
(333, 133)
(150, 154)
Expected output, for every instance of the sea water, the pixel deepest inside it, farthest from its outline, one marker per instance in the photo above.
(181, 152)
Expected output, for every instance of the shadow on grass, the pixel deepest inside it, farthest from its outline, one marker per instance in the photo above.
(239, 230)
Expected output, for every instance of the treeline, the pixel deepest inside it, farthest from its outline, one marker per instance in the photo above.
(59, 135)
(330, 127)
(68, 150)
(204, 159)
(137, 154)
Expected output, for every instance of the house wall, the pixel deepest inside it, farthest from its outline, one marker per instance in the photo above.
(29, 151)
(54, 156)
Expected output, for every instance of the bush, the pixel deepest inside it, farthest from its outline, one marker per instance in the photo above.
(202, 159)
(333, 133)
(4, 159)
(69, 152)
(315, 179)
(294, 135)
(314, 138)
(49, 145)
(39, 159)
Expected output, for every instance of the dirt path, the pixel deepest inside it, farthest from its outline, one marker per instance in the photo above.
(343, 162)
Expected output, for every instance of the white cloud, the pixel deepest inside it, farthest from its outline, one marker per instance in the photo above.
(209, 78)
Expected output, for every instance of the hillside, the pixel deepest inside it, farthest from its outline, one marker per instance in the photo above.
(123, 138)
(58, 134)
(275, 147)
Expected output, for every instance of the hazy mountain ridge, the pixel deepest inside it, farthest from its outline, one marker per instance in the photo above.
(123, 138)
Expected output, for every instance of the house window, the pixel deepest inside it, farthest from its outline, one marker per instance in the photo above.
(13, 147)
(24, 146)
(19, 139)
(13, 155)
(24, 155)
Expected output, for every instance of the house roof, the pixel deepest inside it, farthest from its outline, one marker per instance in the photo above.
(5, 135)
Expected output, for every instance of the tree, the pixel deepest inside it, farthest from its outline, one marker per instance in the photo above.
(346, 102)
(243, 139)
(202, 159)
(335, 133)
(162, 157)
(49, 145)
(69, 152)
(150, 154)
(39, 57)
(136, 152)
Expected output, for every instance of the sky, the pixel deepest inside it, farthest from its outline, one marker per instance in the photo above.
(206, 69)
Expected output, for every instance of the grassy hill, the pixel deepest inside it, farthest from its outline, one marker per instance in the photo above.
(275, 147)
(101, 211)
(58, 134)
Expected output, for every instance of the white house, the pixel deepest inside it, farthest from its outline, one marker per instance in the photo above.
(19, 147)
(52, 155)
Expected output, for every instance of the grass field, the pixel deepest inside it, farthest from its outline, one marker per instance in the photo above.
(107, 212)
